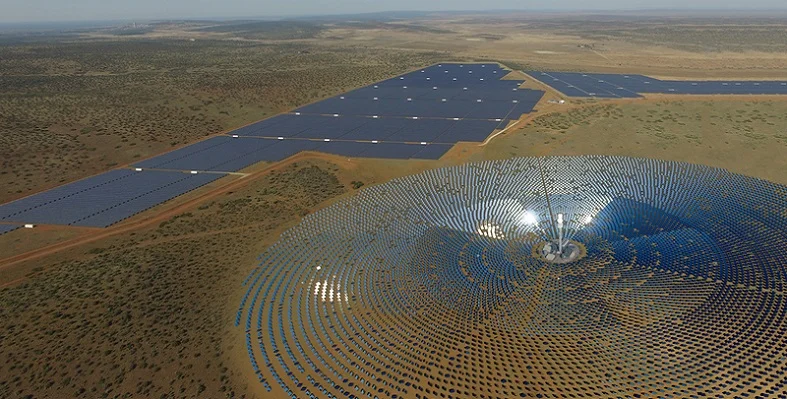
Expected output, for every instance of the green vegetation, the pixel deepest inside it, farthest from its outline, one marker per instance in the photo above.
(356, 184)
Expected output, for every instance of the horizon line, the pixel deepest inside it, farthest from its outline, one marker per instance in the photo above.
(344, 14)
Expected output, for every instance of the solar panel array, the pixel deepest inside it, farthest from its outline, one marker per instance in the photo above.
(7, 228)
(437, 107)
(472, 91)
(104, 199)
(419, 115)
(629, 86)
(357, 128)
(431, 286)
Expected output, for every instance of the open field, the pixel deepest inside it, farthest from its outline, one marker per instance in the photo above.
(148, 312)
(745, 137)
(157, 305)
(99, 99)
(76, 109)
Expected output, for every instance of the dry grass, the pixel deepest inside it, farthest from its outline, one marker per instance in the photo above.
(75, 109)
(745, 137)
(149, 313)
(145, 314)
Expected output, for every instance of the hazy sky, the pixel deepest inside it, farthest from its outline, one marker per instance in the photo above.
(70, 10)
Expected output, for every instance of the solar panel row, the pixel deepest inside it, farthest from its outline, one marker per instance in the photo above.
(476, 109)
(232, 154)
(384, 150)
(103, 200)
(472, 91)
(627, 86)
(7, 228)
(370, 128)
(476, 102)
(508, 93)
(222, 153)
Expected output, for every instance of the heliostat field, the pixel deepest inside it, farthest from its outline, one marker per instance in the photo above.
(446, 284)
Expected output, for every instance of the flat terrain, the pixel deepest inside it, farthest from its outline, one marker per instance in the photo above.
(79, 108)
(745, 137)
(148, 312)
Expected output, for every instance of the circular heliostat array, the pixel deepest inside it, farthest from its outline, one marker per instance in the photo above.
(661, 279)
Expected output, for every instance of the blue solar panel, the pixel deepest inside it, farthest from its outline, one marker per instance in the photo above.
(399, 129)
(332, 127)
(432, 151)
(376, 129)
(285, 125)
(629, 86)
(9, 210)
(469, 130)
(439, 91)
(436, 104)
(391, 150)
(104, 199)
(421, 130)
(283, 149)
(225, 154)
(344, 148)
(7, 228)
(132, 205)
(383, 150)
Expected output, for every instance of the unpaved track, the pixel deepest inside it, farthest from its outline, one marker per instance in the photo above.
(243, 181)
(157, 218)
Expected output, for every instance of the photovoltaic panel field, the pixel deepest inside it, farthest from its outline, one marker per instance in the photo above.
(7, 228)
(419, 115)
(441, 104)
(631, 86)
(105, 199)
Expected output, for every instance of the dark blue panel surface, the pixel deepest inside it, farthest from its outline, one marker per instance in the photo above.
(432, 151)
(189, 151)
(421, 130)
(439, 91)
(470, 130)
(7, 228)
(391, 150)
(628, 86)
(376, 129)
(344, 148)
(384, 150)
(328, 127)
(146, 200)
(105, 199)
(10, 210)
(227, 155)
(283, 149)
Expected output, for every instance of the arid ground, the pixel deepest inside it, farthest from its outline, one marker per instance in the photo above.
(146, 308)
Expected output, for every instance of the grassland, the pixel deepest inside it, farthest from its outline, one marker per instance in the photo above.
(77, 108)
(745, 137)
(124, 321)
(149, 313)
